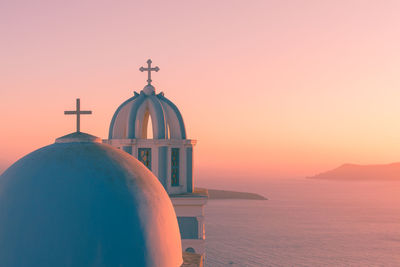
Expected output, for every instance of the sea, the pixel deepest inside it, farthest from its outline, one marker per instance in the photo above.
(307, 222)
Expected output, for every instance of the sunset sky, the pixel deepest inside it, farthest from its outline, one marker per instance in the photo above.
(270, 89)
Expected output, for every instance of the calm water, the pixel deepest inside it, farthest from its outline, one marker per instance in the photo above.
(307, 223)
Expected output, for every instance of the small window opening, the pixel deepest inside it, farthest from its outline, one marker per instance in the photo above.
(190, 249)
(149, 128)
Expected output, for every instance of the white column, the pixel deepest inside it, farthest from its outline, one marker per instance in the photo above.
(200, 223)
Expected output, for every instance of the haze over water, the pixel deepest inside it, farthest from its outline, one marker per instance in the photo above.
(307, 223)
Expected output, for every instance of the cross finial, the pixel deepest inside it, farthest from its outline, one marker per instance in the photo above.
(78, 113)
(149, 69)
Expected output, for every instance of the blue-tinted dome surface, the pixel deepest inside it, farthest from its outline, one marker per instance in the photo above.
(85, 204)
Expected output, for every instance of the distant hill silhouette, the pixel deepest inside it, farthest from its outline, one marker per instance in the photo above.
(362, 172)
(225, 194)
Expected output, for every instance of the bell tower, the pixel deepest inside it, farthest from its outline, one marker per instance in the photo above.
(168, 154)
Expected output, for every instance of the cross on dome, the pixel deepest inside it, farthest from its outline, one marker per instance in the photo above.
(78, 113)
(149, 69)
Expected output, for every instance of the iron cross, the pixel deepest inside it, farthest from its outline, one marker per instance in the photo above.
(78, 113)
(149, 69)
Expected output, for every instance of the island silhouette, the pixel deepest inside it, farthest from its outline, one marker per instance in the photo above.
(356, 172)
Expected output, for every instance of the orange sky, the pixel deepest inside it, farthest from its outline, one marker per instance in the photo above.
(268, 88)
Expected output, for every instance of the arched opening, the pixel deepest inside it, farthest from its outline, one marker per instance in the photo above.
(190, 249)
(147, 127)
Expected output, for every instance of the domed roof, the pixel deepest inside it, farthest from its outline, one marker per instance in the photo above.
(131, 118)
(79, 202)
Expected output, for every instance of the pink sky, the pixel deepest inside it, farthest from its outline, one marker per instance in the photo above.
(268, 88)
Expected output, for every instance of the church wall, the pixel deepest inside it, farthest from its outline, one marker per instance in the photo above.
(197, 245)
(182, 172)
(161, 160)
(154, 157)
(162, 165)
(188, 227)
(193, 208)
(183, 209)
(189, 169)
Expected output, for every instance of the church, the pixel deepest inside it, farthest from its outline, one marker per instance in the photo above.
(169, 154)
(124, 201)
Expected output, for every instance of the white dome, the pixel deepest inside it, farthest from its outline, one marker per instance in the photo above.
(82, 203)
(131, 118)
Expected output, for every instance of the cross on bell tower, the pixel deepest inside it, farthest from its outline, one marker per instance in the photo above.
(78, 113)
(149, 69)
